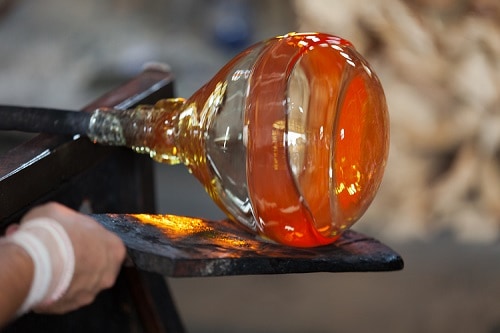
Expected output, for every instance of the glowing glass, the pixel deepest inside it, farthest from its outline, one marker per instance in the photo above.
(290, 138)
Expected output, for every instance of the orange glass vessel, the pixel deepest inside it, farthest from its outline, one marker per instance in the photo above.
(290, 138)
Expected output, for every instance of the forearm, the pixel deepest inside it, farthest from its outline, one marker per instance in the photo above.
(16, 274)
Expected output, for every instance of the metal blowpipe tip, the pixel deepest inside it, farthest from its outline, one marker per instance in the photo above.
(101, 126)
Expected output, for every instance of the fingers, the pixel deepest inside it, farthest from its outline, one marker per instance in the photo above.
(67, 304)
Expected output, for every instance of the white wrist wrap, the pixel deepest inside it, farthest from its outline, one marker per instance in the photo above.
(50, 248)
(42, 268)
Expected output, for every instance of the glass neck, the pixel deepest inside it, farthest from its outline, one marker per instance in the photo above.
(155, 130)
(172, 131)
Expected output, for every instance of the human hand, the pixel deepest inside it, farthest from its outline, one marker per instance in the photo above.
(98, 255)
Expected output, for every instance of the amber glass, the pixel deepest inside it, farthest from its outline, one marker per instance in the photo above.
(290, 138)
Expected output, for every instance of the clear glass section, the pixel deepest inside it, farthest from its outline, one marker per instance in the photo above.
(298, 108)
(226, 139)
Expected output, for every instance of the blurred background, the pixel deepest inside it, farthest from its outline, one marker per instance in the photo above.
(439, 204)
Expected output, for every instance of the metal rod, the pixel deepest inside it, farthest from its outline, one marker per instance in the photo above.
(43, 120)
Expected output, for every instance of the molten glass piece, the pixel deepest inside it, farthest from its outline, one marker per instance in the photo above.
(290, 138)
